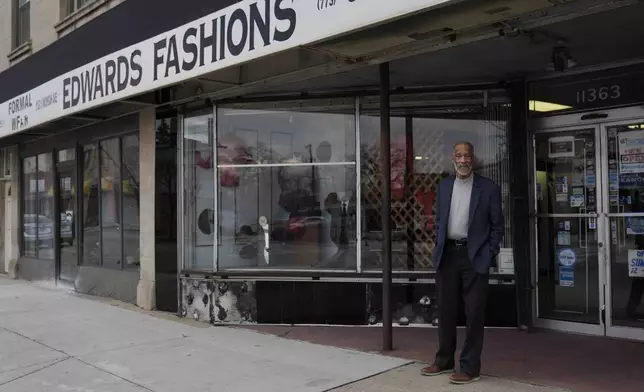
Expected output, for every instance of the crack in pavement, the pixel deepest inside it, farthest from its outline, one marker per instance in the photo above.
(34, 372)
(67, 357)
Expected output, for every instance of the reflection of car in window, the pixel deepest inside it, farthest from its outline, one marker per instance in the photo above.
(37, 228)
(67, 229)
(40, 228)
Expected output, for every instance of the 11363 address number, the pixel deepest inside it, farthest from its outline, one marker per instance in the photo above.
(604, 93)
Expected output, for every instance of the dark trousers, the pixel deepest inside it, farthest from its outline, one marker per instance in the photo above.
(635, 297)
(455, 277)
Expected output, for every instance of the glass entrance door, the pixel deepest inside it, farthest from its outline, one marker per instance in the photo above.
(67, 248)
(624, 204)
(569, 243)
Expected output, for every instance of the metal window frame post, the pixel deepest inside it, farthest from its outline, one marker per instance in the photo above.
(385, 156)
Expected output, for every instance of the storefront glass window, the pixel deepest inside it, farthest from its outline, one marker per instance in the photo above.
(110, 203)
(286, 182)
(38, 215)
(287, 186)
(46, 205)
(110, 206)
(421, 148)
(199, 193)
(30, 207)
(131, 200)
(90, 206)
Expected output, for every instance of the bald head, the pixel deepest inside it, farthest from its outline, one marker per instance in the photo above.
(464, 144)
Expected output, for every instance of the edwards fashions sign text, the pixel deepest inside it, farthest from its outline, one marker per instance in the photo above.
(245, 31)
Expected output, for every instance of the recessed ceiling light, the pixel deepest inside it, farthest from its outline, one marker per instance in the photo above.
(541, 106)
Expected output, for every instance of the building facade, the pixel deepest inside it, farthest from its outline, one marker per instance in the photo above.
(226, 160)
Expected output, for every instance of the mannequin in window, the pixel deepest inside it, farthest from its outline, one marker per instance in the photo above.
(342, 209)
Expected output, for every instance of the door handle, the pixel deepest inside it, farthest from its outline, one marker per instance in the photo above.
(583, 228)
(601, 245)
(621, 231)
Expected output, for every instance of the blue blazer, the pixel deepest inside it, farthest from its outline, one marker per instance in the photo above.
(486, 223)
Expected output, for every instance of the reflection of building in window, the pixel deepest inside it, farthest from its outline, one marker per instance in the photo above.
(198, 177)
(297, 159)
(109, 204)
(421, 149)
(38, 210)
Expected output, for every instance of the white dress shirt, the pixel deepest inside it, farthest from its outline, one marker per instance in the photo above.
(459, 212)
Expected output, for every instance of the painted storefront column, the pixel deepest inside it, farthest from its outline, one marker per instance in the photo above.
(146, 296)
(11, 214)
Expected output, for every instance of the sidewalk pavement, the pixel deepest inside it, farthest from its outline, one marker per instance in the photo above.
(51, 340)
(408, 378)
(573, 362)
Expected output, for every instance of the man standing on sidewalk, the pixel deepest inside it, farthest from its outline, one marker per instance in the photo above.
(470, 228)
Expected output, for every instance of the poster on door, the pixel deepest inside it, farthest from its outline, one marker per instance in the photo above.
(631, 152)
(636, 263)
(635, 225)
(561, 147)
(566, 277)
(566, 258)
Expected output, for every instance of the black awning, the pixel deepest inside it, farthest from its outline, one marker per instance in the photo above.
(128, 23)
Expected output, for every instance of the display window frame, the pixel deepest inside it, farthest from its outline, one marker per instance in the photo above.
(359, 100)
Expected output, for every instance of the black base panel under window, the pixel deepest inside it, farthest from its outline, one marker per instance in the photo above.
(410, 303)
(416, 304)
(166, 292)
(311, 303)
(325, 303)
(501, 307)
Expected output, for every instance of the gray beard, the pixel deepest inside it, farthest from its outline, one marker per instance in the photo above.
(457, 172)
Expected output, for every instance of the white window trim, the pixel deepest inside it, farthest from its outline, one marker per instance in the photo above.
(20, 52)
(69, 22)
